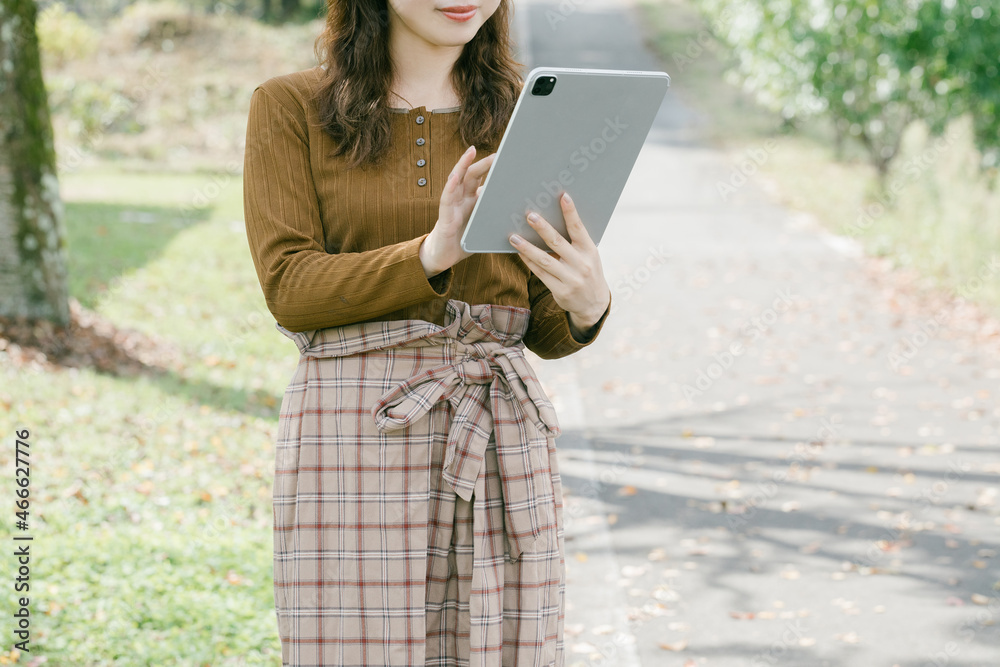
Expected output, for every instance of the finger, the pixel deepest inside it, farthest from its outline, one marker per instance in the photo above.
(553, 239)
(574, 225)
(455, 180)
(541, 259)
(479, 169)
(547, 278)
(463, 163)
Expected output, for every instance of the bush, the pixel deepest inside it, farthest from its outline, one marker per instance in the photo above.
(64, 36)
(870, 67)
(154, 22)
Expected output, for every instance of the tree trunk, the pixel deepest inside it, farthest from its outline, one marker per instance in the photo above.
(32, 239)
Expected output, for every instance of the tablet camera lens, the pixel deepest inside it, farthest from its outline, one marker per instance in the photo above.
(543, 85)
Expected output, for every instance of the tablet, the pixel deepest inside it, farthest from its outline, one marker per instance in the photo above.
(573, 130)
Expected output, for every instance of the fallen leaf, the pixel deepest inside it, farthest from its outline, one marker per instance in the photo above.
(627, 490)
(742, 615)
(674, 646)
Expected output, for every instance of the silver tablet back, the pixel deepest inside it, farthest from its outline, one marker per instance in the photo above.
(582, 137)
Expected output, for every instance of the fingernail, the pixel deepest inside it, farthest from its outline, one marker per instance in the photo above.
(533, 217)
(515, 238)
(567, 198)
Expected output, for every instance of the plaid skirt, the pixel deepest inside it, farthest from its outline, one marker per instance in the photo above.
(417, 499)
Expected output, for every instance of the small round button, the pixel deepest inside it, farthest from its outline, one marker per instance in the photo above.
(422, 181)
(420, 141)
(421, 162)
(420, 120)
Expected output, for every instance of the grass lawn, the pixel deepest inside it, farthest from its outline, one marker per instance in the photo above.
(150, 492)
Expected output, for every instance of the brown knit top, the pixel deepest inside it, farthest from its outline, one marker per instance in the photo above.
(334, 246)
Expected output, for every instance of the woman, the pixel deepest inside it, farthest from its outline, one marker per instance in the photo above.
(417, 499)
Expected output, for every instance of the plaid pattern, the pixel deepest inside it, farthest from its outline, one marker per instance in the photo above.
(417, 498)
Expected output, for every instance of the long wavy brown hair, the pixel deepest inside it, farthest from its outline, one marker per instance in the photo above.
(352, 96)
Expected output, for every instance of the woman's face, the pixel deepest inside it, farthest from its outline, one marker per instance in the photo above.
(426, 20)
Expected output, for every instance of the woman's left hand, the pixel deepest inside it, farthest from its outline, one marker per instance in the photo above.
(572, 270)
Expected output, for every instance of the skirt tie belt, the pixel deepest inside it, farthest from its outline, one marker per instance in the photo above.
(493, 392)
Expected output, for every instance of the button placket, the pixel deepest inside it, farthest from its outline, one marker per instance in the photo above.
(421, 141)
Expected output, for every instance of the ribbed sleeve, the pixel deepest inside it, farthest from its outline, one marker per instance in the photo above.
(335, 246)
(304, 286)
(549, 334)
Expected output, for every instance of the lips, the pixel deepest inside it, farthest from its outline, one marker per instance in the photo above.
(460, 13)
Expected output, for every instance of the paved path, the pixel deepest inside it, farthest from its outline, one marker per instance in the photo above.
(805, 501)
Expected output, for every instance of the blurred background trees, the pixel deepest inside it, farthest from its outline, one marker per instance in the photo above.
(270, 11)
(871, 67)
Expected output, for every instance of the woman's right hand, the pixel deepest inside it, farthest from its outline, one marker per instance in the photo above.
(442, 248)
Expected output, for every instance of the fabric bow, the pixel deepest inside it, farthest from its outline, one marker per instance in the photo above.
(492, 393)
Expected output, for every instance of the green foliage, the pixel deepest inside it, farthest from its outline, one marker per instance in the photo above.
(265, 10)
(958, 44)
(64, 36)
(93, 108)
(938, 213)
(871, 66)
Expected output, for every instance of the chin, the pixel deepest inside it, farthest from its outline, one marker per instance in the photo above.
(455, 34)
